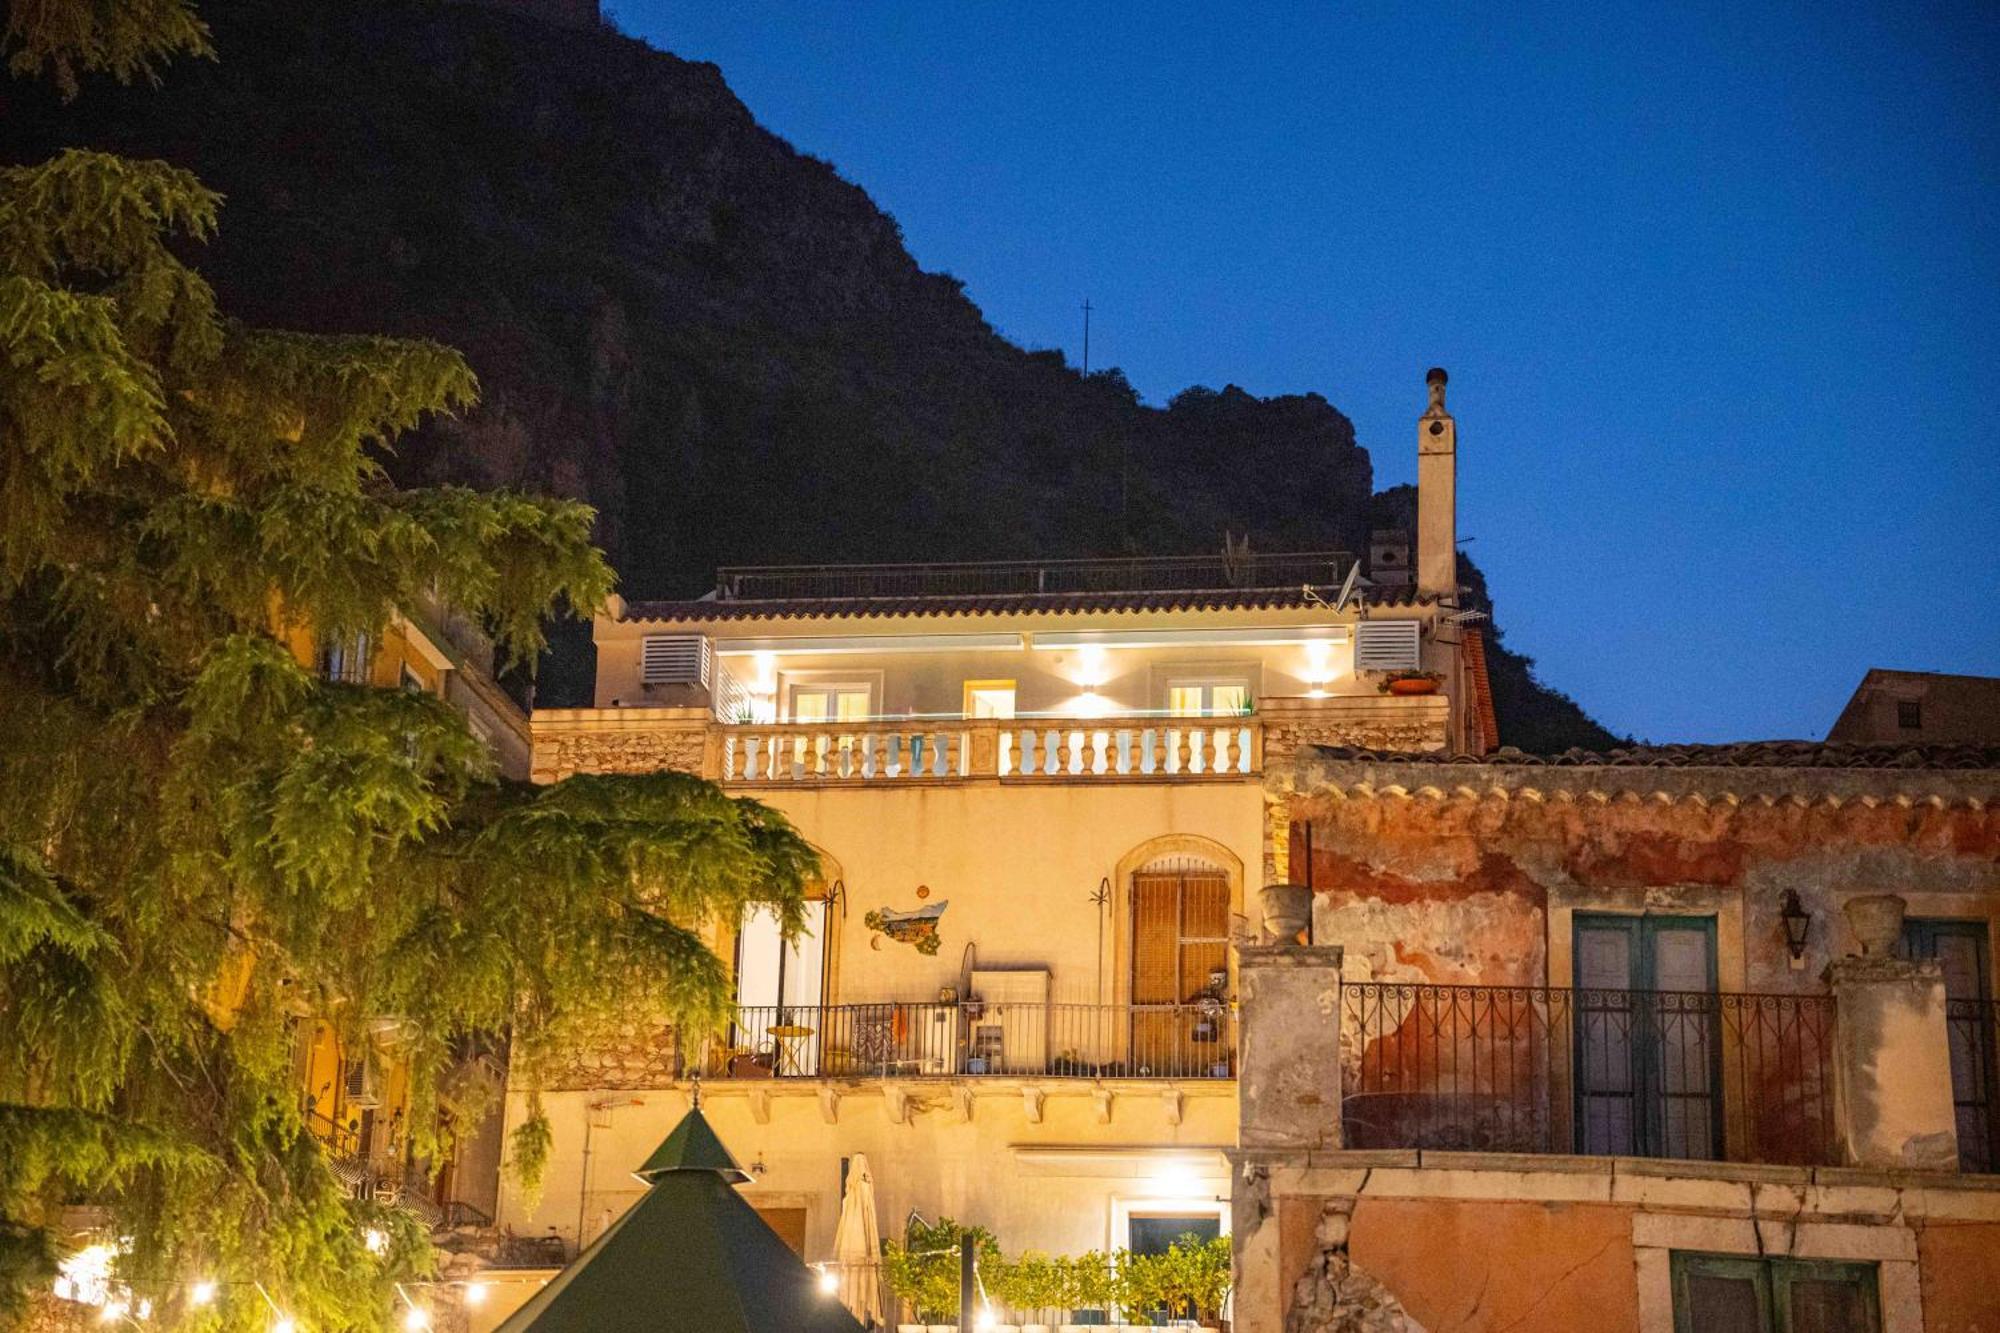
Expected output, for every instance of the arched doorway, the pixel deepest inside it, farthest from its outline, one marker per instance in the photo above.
(1178, 903)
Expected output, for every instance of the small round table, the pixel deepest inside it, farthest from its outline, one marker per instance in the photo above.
(791, 1039)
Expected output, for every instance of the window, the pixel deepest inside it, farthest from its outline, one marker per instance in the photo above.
(410, 681)
(1909, 714)
(829, 701)
(989, 698)
(1716, 1293)
(345, 660)
(1212, 697)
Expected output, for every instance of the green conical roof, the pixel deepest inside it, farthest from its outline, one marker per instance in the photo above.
(691, 1256)
(693, 1146)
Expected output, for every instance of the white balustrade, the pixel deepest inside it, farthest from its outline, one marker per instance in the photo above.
(1135, 748)
(843, 752)
(926, 751)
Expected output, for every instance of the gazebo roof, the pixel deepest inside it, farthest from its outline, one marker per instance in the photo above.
(691, 1255)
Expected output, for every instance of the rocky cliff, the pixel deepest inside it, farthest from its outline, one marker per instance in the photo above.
(710, 336)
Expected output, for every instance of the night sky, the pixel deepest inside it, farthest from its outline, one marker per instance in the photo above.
(1718, 290)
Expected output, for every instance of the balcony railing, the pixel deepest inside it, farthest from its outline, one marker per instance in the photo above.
(1972, 1028)
(1003, 577)
(918, 751)
(1737, 1077)
(974, 1040)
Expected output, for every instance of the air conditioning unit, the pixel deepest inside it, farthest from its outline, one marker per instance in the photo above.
(1387, 645)
(676, 659)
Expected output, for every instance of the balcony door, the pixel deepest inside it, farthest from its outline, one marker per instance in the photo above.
(779, 989)
(1960, 946)
(1647, 1046)
(1180, 938)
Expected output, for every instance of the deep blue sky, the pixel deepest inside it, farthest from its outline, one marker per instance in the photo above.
(1718, 289)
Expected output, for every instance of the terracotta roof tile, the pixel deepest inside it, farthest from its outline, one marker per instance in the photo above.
(994, 604)
(1736, 754)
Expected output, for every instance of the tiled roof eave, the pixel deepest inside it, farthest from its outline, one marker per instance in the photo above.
(991, 604)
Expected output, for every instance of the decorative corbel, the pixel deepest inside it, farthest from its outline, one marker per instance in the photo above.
(1102, 1098)
(1032, 1099)
(829, 1105)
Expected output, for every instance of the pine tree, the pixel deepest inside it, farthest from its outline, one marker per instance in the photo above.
(203, 845)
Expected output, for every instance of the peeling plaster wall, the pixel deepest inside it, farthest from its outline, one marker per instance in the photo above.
(1518, 1265)
(1473, 888)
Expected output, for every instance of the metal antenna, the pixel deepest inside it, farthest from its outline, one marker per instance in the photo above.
(1086, 335)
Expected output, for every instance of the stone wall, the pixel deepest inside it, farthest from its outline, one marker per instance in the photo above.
(1469, 873)
(569, 741)
(1389, 723)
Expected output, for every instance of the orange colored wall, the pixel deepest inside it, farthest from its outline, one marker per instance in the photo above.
(1961, 1277)
(1508, 1264)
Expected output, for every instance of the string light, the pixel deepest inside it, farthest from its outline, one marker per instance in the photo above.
(829, 1281)
(415, 1320)
(475, 1294)
(376, 1240)
(202, 1293)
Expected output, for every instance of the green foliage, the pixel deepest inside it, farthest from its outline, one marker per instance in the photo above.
(207, 851)
(923, 1269)
(122, 38)
(1191, 1278)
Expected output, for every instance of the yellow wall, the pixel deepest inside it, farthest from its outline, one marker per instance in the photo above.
(1018, 866)
(1057, 1186)
(1016, 863)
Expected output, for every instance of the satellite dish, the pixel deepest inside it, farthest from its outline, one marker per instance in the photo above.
(1347, 586)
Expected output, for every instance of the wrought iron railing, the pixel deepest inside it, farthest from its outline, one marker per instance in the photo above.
(1972, 1028)
(972, 1039)
(1537, 1069)
(1002, 577)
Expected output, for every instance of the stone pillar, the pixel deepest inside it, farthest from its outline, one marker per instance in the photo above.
(1288, 1100)
(1288, 1080)
(1892, 1098)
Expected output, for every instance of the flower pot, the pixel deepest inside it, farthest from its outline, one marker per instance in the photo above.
(913, 1328)
(1288, 909)
(1413, 687)
(1876, 920)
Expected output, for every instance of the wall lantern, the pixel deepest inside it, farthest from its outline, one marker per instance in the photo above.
(1797, 921)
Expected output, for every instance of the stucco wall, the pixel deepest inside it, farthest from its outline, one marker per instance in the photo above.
(1469, 887)
(1960, 1268)
(1056, 1185)
(1017, 865)
(1512, 1264)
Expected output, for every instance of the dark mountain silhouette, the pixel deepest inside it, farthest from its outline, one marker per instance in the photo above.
(675, 315)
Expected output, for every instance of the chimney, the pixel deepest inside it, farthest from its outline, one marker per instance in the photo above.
(1437, 496)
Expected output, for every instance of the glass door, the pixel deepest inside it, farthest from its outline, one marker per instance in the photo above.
(1960, 946)
(1647, 1044)
(778, 991)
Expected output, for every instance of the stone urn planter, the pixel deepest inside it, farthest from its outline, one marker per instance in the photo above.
(1877, 921)
(1288, 909)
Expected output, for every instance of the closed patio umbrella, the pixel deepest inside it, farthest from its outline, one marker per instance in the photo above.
(857, 1245)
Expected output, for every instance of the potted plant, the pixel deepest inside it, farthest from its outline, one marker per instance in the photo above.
(922, 1270)
(1411, 682)
(1086, 1286)
(1029, 1286)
